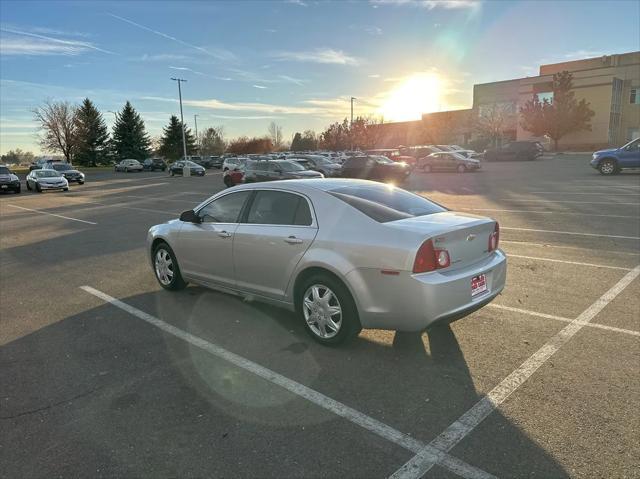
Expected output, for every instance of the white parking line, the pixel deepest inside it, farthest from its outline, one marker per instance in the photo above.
(545, 212)
(386, 432)
(609, 203)
(566, 320)
(590, 193)
(557, 246)
(570, 233)
(456, 432)
(577, 263)
(53, 214)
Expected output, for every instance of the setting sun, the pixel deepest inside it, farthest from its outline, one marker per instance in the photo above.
(418, 94)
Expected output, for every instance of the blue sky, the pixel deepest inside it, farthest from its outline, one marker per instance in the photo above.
(293, 62)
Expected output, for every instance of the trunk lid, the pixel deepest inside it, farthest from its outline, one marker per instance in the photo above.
(464, 236)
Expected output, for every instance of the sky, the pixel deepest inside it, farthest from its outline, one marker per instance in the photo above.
(296, 62)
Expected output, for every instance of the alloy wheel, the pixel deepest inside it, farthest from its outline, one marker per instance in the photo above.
(164, 267)
(322, 311)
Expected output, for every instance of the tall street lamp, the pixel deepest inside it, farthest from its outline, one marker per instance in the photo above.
(195, 120)
(184, 139)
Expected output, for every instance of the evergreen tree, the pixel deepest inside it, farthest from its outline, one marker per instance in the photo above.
(171, 141)
(130, 139)
(91, 135)
(296, 144)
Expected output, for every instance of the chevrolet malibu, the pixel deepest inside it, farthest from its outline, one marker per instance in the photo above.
(343, 254)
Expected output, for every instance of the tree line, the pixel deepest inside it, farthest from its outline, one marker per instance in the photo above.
(79, 132)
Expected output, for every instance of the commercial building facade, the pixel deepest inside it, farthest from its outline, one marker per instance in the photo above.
(610, 84)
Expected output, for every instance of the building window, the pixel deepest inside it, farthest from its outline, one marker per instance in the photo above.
(545, 95)
(634, 97)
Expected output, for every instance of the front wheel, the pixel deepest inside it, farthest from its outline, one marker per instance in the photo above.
(328, 310)
(608, 167)
(171, 173)
(126, 170)
(65, 189)
(461, 169)
(38, 188)
(166, 268)
(28, 186)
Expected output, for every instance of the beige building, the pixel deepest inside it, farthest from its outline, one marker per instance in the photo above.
(611, 84)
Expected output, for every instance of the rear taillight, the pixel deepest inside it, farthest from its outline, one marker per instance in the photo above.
(494, 238)
(429, 258)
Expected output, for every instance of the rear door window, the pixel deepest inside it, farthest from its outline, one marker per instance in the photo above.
(279, 208)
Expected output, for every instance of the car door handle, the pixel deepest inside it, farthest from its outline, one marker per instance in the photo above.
(293, 240)
(224, 234)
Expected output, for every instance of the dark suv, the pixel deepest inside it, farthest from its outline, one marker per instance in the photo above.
(378, 168)
(516, 150)
(153, 164)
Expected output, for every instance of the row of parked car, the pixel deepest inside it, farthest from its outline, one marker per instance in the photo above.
(45, 175)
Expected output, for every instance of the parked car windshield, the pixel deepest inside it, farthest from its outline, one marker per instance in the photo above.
(385, 203)
(61, 166)
(4, 170)
(383, 160)
(46, 173)
(191, 164)
(290, 166)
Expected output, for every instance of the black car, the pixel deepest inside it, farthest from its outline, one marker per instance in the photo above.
(377, 168)
(215, 161)
(68, 171)
(271, 170)
(8, 181)
(153, 164)
(178, 168)
(516, 150)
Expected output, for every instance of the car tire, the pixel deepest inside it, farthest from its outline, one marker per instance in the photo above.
(38, 189)
(166, 269)
(608, 167)
(65, 189)
(349, 326)
(172, 173)
(17, 190)
(28, 187)
(461, 169)
(126, 170)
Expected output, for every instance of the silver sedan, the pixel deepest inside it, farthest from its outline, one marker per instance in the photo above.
(344, 254)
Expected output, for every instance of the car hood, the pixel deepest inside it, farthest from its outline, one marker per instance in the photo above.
(8, 178)
(51, 179)
(604, 152)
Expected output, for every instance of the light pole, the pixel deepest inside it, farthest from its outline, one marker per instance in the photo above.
(351, 125)
(195, 120)
(184, 139)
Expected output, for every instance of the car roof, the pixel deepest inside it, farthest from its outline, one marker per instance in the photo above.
(300, 185)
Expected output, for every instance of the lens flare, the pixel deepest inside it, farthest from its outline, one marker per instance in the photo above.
(418, 94)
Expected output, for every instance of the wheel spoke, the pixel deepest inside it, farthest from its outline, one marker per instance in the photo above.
(333, 325)
(328, 296)
(308, 303)
(315, 292)
(333, 310)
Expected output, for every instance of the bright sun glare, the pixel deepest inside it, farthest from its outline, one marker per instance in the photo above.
(418, 94)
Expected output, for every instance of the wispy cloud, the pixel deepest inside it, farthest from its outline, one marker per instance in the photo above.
(245, 117)
(375, 75)
(162, 57)
(19, 42)
(319, 55)
(196, 72)
(370, 29)
(297, 81)
(300, 3)
(215, 104)
(431, 4)
(261, 87)
(217, 53)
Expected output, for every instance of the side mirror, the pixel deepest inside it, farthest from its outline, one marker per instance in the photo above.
(190, 216)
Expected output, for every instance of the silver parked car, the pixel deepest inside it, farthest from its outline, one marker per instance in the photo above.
(41, 180)
(345, 254)
(128, 165)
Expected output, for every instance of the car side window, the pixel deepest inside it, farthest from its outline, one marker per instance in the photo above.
(225, 209)
(279, 208)
(635, 146)
(272, 167)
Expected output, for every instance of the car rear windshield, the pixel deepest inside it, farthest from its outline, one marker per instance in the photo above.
(386, 203)
(61, 166)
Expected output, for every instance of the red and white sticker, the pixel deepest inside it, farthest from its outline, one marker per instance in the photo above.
(478, 285)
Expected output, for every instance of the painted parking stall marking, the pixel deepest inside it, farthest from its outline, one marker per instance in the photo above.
(52, 214)
(373, 425)
(421, 463)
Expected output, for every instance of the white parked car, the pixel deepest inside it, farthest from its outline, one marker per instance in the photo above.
(128, 165)
(234, 163)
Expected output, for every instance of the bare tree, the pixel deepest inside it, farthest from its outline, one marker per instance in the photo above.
(58, 127)
(493, 122)
(212, 141)
(275, 133)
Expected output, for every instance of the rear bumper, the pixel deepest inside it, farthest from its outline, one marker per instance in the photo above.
(413, 302)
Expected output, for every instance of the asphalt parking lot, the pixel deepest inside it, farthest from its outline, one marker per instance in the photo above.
(106, 374)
